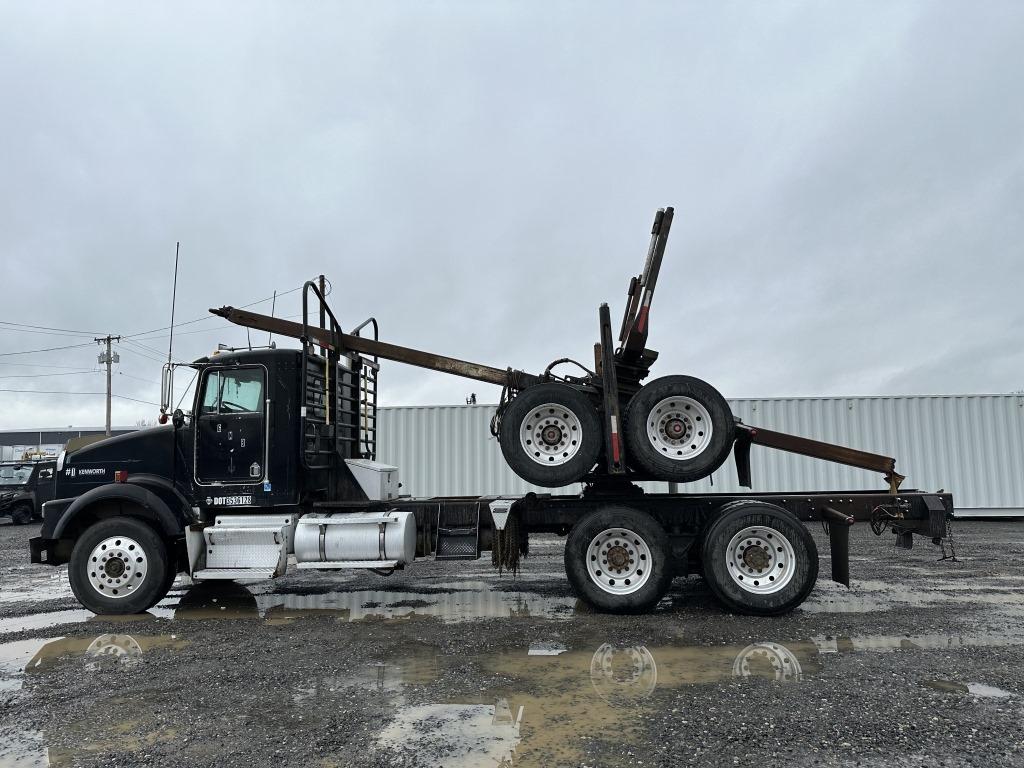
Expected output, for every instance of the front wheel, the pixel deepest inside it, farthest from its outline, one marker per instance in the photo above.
(119, 566)
(21, 514)
(617, 560)
(759, 559)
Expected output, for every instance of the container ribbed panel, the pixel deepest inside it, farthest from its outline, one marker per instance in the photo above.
(970, 445)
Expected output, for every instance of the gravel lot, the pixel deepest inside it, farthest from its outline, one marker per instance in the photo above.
(920, 663)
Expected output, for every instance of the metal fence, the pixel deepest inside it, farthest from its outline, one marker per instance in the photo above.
(971, 445)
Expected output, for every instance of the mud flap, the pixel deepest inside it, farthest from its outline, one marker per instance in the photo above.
(741, 454)
(839, 546)
(838, 525)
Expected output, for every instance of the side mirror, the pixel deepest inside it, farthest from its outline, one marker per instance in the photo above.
(178, 418)
(166, 387)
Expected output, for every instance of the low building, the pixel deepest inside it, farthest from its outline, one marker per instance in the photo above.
(18, 444)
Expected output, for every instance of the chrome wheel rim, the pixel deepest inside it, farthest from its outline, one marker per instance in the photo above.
(619, 561)
(117, 567)
(769, 660)
(550, 434)
(679, 428)
(760, 560)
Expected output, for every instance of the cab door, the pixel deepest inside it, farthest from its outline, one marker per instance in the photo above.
(231, 426)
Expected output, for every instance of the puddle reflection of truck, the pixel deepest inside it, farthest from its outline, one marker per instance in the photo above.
(274, 468)
(531, 712)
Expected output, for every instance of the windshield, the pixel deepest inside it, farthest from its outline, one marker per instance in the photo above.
(15, 475)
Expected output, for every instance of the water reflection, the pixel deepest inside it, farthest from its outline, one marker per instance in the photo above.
(517, 707)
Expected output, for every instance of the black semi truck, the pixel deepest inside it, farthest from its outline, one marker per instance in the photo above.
(274, 468)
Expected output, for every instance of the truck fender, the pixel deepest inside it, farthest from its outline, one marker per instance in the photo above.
(151, 506)
(171, 496)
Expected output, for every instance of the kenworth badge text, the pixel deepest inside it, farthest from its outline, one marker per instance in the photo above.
(274, 468)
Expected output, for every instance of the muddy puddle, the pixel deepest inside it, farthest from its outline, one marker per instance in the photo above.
(21, 585)
(464, 601)
(23, 661)
(537, 705)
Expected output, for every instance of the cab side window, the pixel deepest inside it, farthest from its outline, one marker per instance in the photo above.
(233, 391)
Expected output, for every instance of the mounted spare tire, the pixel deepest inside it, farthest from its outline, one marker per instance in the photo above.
(550, 435)
(679, 429)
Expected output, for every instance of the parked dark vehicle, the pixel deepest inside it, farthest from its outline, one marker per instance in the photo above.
(24, 487)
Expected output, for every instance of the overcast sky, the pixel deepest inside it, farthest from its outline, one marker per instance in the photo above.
(848, 181)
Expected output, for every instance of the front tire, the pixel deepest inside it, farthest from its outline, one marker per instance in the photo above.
(550, 435)
(678, 428)
(617, 559)
(759, 559)
(119, 566)
(21, 514)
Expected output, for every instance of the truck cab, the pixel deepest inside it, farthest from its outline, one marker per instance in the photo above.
(269, 433)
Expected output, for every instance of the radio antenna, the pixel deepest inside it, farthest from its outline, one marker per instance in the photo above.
(174, 297)
(167, 379)
(273, 308)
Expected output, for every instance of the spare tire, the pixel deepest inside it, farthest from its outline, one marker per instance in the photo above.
(550, 435)
(678, 428)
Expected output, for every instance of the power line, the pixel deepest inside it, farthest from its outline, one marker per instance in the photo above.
(135, 400)
(41, 375)
(48, 328)
(50, 392)
(122, 373)
(209, 317)
(71, 335)
(54, 392)
(46, 349)
(42, 365)
(142, 354)
(154, 351)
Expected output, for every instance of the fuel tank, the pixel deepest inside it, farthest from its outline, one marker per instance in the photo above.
(356, 536)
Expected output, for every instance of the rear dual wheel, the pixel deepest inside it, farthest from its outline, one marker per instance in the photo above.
(759, 558)
(617, 559)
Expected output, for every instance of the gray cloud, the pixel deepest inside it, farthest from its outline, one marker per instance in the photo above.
(847, 179)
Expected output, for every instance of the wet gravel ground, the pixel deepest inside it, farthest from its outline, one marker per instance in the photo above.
(920, 663)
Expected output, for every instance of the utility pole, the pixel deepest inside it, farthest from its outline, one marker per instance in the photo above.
(109, 358)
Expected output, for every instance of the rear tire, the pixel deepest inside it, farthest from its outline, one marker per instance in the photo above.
(550, 435)
(617, 560)
(119, 566)
(21, 514)
(679, 429)
(759, 559)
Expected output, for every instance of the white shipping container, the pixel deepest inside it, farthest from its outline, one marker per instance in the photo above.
(970, 445)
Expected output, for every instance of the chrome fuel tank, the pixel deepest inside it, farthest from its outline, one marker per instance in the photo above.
(345, 537)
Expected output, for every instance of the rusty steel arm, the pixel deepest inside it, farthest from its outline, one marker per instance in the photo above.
(324, 338)
(839, 454)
